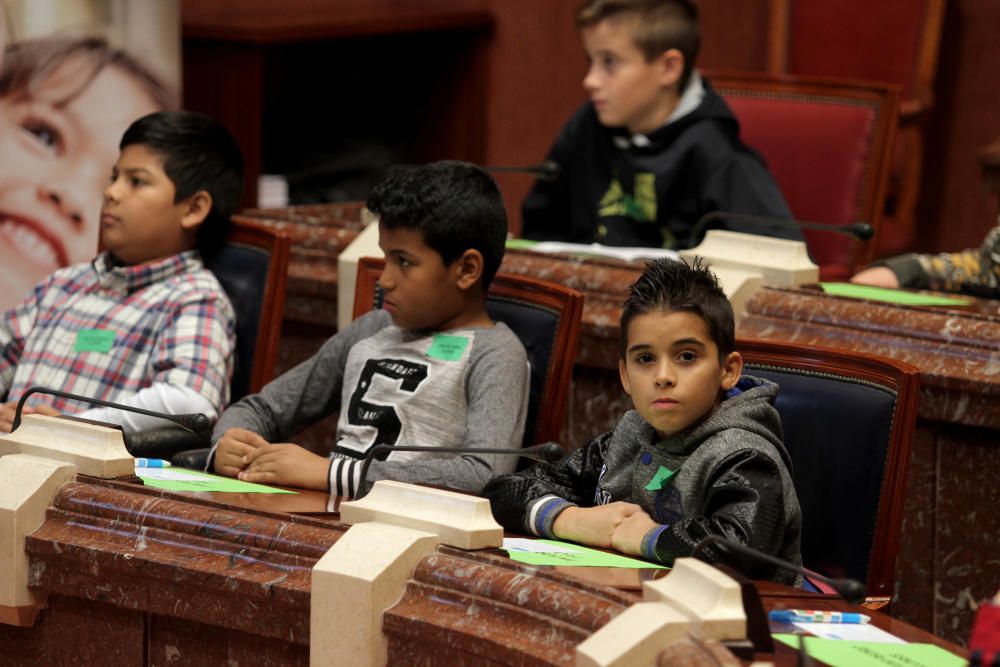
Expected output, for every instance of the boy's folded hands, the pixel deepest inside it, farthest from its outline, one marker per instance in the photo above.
(619, 525)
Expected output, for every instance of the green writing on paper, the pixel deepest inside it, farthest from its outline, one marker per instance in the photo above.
(659, 479)
(565, 553)
(94, 340)
(447, 348)
(179, 479)
(901, 297)
(842, 653)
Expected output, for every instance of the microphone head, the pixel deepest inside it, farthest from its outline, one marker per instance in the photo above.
(863, 230)
(549, 170)
(851, 590)
(200, 423)
(550, 452)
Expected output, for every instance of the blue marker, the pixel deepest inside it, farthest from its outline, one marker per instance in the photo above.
(151, 463)
(811, 616)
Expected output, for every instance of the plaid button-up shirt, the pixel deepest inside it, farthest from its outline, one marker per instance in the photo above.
(167, 321)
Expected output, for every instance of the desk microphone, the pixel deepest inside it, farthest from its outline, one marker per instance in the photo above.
(544, 171)
(547, 452)
(851, 590)
(862, 231)
(195, 422)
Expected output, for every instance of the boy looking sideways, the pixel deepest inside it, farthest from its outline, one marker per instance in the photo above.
(655, 148)
(701, 453)
(144, 323)
(430, 368)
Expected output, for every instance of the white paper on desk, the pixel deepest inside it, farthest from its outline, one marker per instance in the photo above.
(534, 546)
(618, 252)
(855, 632)
(168, 473)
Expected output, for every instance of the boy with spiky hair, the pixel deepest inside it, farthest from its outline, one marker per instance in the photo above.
(701, 453)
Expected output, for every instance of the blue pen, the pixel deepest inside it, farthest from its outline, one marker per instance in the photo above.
(814, 616)
(151, 463)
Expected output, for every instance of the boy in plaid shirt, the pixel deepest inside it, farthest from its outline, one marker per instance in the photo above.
(145, 323)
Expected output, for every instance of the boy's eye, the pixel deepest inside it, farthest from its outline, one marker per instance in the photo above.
(644, 358)
(135, 181)
(609, 62)
(687, 356)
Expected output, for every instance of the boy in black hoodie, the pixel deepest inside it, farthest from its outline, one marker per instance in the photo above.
(700, 455)
(656, 148)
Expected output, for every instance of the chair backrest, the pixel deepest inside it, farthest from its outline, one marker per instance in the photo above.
(545, 316)
(829, 145)
(253, 269)
(895, 41)
(848, 421)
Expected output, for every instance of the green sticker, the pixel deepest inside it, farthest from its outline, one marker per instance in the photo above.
(447, 348)
(659, 479)
(94, 340)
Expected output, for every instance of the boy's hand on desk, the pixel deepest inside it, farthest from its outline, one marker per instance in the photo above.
(233, 446)
(286, 464)
(7, 411)
(629, 533)
(593, 526)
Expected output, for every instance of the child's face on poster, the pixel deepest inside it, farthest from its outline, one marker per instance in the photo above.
(57, 159)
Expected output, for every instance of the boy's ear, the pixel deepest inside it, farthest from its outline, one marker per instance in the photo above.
(671, 66)
(732, 368)
(195, 209)
(469, 268)
(623, 374)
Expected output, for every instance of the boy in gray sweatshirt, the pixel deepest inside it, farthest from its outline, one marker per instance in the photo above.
(701, 453)
(430, 368)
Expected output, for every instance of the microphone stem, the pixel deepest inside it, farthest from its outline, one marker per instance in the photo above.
(84, 399)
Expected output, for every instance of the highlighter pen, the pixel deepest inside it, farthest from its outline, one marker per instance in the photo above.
(810, 616)
(151, 463)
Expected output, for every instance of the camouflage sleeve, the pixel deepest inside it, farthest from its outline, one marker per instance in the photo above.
(975, 270)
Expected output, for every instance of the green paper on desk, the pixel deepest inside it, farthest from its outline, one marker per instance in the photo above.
(840, 653)
(852, 291)
(520, 244)
(554, 552)
(180, 479)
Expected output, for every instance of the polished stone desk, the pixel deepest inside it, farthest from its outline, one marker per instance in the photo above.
(948, 555)
(138, 576)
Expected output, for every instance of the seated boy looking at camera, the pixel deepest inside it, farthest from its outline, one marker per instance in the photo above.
(430, 368)
(145, 323)
(655, 148)
(700, 455)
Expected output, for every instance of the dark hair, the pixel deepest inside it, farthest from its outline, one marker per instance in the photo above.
(456, 206)
(198, 154)
(660, 25)
(30, 63)
(669, 285)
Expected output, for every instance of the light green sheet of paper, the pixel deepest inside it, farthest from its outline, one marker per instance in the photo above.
(181, 479)
(852, 291)
(520, 244)
(840, 653)
(566, 553)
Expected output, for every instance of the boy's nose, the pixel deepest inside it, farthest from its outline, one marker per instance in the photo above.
(64, 202)
(664, 376)
(590, 81)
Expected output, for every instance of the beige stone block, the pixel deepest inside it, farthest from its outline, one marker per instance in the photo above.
(98, 451)
(633, 638)
(708, 597)
(363, 574)
(779, 261)
(27, 486)
(460, 520)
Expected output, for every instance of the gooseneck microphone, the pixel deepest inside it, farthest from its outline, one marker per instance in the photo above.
(851, 590)
(861, 231)
(544, 171)
(195, 422)
(547, 452)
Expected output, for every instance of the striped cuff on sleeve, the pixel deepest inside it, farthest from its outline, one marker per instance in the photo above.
(648, 547)
(543, 514)
(344, 476)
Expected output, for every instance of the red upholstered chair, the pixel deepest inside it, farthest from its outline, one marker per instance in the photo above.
(829, 145)
(893, 41)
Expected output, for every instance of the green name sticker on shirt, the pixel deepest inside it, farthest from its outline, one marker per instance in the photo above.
(659, 479)
(94, 340)
(447, 348)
